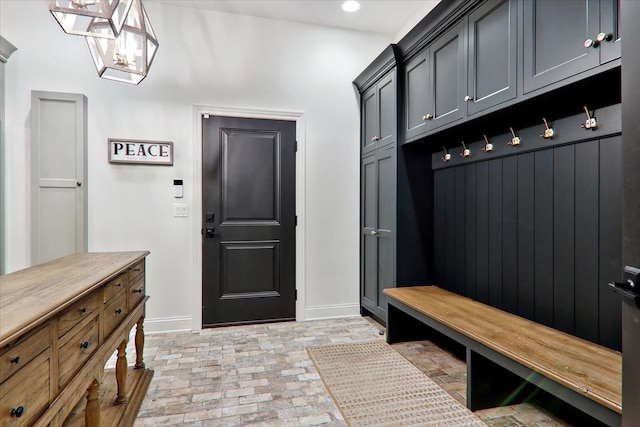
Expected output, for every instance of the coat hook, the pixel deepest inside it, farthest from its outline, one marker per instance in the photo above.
(514, 140)
(447, 156)
(548, 132)
(590, 123)
(487, 145)
(465, 151)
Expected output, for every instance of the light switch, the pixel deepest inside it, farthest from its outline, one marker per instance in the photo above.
(179, 210)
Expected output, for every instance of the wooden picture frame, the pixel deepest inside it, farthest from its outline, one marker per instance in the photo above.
(140, 152)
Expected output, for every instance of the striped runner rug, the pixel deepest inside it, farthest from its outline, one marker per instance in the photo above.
(373, 385)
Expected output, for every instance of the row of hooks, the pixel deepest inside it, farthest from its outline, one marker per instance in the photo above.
(548, 133)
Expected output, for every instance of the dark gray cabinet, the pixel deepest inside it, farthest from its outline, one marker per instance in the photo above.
(378, 210)
(563, 38)
(492, 55)
(435, 82)
(379, 114)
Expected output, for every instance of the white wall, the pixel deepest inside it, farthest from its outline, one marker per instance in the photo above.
(205, 58)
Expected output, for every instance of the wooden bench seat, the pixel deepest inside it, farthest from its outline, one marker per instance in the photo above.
(585, 375)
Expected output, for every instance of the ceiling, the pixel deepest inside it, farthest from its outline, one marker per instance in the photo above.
(386, 17)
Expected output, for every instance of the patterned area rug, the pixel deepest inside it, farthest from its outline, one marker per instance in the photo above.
(373, 385)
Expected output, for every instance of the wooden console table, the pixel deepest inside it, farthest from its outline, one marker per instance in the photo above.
(60, 322)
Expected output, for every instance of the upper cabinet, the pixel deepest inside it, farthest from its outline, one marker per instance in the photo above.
(435, 83)
(565, 38)
(492, 55)
(379, 112)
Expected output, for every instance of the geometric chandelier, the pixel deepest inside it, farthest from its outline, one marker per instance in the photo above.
(126, 58)
(74, 16)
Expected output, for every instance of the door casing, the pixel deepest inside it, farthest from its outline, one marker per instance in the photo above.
(299, 118)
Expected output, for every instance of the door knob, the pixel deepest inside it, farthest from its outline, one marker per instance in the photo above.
(210, 231)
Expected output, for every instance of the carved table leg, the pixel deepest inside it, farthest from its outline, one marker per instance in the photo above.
(139, 343)
(92, 411)
(121, 373)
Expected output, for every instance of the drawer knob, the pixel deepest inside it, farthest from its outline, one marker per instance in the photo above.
(84, 344)
(83, 310)
(138, 291)
(118, 310)
(118, 284)
(17, 412)
(427, 117)
(15, 360)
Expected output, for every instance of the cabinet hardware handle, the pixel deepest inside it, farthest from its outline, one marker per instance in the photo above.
(515, 141)
(375, 138)
(548, 132)
(447, 156)
(83, 310)
(78, 184)
(468, 98)
(137, 291)
(427, 117)
(374, 233)
(590, 43)
(118, 311)
(487, 145)
(136, 269)
(465, 151)
(15, 360)
(84, 345)
(602, 37)
(17, 412)
(590, 123)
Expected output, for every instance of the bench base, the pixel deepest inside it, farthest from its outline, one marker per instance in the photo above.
(494, 380)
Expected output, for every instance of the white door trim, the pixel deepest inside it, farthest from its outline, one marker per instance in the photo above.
(299, 118)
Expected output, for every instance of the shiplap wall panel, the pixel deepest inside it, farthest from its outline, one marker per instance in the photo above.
(537, 234)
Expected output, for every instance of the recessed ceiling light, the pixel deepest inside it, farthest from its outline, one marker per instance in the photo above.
(350, 6)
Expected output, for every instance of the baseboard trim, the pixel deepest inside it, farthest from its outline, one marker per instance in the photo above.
(168, 324)
(320, 312)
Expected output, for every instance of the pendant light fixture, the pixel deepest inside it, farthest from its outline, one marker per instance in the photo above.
(127, 58)
(75, 16)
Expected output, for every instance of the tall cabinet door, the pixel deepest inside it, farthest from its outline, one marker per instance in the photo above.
(610, 30)
(378, 228)
(448, 76)
(492, 55)
(555, 40)
(379, 114)
(418, 108)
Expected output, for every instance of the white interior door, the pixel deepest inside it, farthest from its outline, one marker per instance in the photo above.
(58, 167)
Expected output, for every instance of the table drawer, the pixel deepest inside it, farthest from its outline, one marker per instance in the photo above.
(136, 292)
(114, 313)
(83, 309)
(24, 396)
(17, 354)
(115, 287)
(136, 271)
(76, 351)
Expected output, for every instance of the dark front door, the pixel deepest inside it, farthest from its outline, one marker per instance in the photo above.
(248, 220)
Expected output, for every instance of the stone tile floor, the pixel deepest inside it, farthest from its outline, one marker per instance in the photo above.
(260, 375)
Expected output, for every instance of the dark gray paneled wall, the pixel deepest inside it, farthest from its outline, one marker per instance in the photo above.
(537, 234)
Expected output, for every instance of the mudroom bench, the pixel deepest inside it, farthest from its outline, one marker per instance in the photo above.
(508, 357)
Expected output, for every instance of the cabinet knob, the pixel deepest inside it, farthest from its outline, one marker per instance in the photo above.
(137, 291)
(604, 37)
(374, 233)
(15, 360)
(83, 310)
(590, 43)
(118, 311)
(427, 117)
(17, 412)
(375, 138)
(84, 344)
(468, 98)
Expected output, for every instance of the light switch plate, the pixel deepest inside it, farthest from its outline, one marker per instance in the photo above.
(179, 210)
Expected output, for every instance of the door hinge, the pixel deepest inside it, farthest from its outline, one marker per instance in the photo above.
(296, 146)
(296, 294)
(296, 220)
